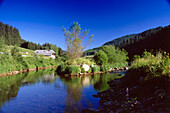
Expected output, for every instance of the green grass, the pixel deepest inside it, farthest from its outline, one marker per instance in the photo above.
(89, 57)
(118, 65)
(8, 63)
(22, 50)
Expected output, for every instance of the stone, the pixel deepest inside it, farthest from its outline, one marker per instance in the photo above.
(110, 69)
(160, 93)
(119, 75)
(108, 103)
(164, 110)
(86, 67)
(90, 111)
(141, 79)
(125, 68)
(96, 96)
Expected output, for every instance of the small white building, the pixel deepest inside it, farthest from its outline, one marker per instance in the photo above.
(49, 53)
(26, 52)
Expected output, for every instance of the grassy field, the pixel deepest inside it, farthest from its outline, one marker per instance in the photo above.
(89, 57)
(23, 51)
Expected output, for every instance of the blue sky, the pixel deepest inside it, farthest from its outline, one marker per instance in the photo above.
(41, 21)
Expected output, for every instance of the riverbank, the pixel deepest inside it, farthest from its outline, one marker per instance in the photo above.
(145, 97)
(144, 88)
(15, 63)
(65, 70)
(26, 70)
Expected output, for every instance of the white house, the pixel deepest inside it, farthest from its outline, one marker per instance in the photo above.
(49, 53)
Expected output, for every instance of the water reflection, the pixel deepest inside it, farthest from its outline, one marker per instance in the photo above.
(64, 94)
(10, 85)
(75, 86)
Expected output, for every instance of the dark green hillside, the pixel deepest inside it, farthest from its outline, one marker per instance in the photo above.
(159, 40)
(135, 44)
(117, 42)
(133, 38)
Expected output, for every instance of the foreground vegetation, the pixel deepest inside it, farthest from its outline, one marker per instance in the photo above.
(144, 88)
(105, 59)
(150, 66)
(102, 62)
(16, 62)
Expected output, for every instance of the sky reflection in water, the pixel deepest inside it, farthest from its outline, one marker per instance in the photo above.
(44, 91)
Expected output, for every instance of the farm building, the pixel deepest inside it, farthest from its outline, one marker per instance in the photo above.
(49, 53)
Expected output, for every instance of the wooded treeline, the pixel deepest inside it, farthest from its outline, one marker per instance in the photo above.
(135, 44)
(11, 36)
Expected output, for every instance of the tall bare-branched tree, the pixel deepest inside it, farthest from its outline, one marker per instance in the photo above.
(74, 38)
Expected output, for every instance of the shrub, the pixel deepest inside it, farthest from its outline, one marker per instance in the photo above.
(61, 69)
(82, 70)
(115, 55)
(120, 65)
(96, 69)
(150, 66)
(90, 70)
(73, 70)
(100, 58)
(104, 68)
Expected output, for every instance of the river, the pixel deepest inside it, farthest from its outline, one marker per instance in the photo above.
(44, 91)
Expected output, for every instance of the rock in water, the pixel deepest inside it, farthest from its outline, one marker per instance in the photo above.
(96, 96)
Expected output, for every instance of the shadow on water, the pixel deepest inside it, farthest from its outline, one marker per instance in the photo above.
(67, 94)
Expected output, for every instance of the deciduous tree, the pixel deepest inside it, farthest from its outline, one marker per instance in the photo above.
(74, 38)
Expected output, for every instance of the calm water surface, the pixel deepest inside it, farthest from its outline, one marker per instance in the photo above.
(46, 92)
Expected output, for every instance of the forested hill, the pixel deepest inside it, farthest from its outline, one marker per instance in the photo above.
(135, 44)
(11, 36)
(153, 39)
(133, 38)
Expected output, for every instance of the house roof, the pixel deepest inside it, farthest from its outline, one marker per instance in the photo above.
(44, 52)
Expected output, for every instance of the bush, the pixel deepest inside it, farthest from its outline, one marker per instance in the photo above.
(115, 55)
(61, 69)
(90, 70)
(82, 70)
(105, 68)
(120, 65)
(150, 66)
(96, 69)
(100, 58)
(73, 70)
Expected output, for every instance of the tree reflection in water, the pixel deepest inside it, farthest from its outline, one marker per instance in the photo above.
(10, 85)
(76, 94)
(75, 87)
